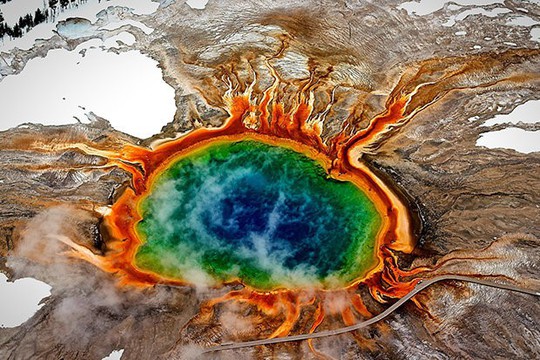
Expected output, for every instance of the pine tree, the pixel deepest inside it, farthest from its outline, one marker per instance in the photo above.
(16, 31)
(29, 20)
(3, 30)
(39, 17)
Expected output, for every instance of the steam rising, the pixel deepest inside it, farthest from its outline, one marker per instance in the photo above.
(84, 302)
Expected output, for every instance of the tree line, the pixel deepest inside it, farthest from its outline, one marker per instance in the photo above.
(28, 21)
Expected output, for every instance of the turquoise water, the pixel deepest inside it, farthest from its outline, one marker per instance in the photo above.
(265, 214)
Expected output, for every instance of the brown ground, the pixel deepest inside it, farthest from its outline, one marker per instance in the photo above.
(479, 206)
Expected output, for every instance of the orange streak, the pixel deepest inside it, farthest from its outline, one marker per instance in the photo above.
(359, 306)
(319, 317)
(348, 316)
(292, 313)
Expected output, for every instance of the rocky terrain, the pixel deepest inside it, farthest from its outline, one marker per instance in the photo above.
(479, 207)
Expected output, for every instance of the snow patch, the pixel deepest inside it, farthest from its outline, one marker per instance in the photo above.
(115, 355)
(197, 4)
(522, 21)
(118, 24)
(122, 38)
(528, 113)
(425, 7)
(478, 11)
(511, 138)
(20, 300)
(127, 89)
(535, 34)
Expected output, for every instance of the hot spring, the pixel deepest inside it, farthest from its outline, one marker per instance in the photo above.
(264, 215)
